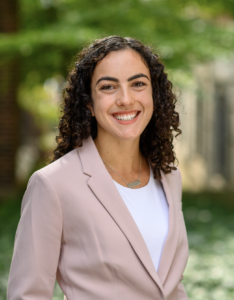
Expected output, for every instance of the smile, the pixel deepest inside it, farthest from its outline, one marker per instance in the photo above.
(126, 116)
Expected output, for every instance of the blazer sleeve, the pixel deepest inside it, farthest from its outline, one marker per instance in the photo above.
(37, 243)
(182, 295)
(181, 292)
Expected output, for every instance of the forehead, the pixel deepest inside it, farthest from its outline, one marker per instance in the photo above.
(121, 64)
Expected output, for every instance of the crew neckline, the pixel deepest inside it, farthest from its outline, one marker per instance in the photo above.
(141, 188)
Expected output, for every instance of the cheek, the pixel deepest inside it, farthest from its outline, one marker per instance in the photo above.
(96, 103)
(148, 102)
(148, 107)
(100, 106)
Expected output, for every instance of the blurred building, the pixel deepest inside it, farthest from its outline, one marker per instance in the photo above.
(206, 147)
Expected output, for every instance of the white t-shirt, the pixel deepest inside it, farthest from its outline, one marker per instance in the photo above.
(149, 209)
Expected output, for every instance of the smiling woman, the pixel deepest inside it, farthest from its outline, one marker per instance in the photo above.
(105, 216)
(78, 123)
(122, 98)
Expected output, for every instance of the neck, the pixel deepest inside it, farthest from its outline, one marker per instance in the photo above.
(119, 154)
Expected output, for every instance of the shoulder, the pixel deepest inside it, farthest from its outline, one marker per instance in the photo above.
(174, 182)
(174, 176)
(52, 184)
(60, 170)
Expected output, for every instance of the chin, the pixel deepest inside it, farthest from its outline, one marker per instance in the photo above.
(128, 137)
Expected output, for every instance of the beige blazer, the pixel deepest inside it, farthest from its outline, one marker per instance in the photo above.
(75, 227)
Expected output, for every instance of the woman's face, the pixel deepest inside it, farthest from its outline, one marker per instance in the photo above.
(122, 95)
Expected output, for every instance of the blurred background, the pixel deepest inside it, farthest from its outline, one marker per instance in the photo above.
(195, 39)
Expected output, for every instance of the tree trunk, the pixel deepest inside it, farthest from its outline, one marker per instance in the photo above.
(9, 110)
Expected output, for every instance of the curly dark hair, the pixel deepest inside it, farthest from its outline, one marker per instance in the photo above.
(77, 123)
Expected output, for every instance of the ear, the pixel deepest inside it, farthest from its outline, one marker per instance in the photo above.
(90, 107)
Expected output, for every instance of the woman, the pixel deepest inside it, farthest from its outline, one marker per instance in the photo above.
(105, 217)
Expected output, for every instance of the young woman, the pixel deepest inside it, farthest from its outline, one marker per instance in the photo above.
(104, 217)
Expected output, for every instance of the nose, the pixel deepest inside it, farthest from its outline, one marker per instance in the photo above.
(125, 98)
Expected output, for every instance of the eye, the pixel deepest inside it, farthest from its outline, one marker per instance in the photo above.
(139, 83)
(107, 87)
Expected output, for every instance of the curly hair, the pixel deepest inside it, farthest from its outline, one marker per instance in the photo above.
(77, 123)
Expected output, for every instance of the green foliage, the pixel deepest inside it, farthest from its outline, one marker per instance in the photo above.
(9, 217)
(51, 32)
(42, 101)
(183, 31)
(209, 221)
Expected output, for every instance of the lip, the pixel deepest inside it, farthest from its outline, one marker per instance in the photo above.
(126, 112)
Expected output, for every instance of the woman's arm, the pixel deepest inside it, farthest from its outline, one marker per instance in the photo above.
(182, 295)
(37, 243)
(181, 292)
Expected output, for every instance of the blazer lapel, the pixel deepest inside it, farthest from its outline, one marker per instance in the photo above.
(170, 245)
(101, 184)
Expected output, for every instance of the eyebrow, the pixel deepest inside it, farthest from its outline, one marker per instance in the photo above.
(137, 76)
(116, 80)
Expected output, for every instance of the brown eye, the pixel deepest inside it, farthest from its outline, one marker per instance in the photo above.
(107, 87)
(139, 83)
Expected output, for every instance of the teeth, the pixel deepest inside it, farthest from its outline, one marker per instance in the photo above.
(125, 117)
